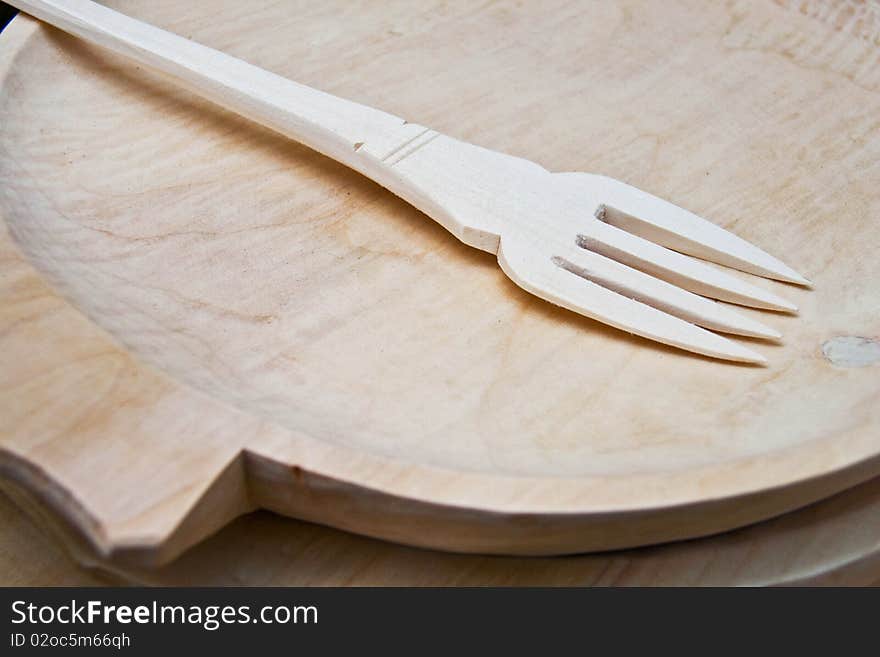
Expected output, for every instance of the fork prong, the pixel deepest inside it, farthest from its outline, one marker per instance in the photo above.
(659, 294)
(564, 288)
(684, 271)
(663, 223)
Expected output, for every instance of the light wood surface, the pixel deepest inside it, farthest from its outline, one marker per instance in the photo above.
(552, 233)
(835, 542)
(208, 320)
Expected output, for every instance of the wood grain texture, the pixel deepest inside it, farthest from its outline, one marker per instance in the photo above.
(207, 319)
(539, 224)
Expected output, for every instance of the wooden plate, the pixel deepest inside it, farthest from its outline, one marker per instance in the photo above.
(208, 319)
(833, 542)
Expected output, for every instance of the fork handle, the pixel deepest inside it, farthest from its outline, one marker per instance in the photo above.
(333, 126)
(447, 179)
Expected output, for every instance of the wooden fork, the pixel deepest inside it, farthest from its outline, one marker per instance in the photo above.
(586, 242)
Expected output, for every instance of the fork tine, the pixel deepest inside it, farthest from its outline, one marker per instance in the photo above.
(663, 223)
(684, 271)
(564, 288)
(661, 295)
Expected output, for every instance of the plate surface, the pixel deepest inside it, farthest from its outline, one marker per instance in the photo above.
(215, 318)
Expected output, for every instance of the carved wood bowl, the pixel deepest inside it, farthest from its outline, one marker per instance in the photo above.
(201, 318)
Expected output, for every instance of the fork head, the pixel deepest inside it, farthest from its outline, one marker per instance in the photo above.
(609, 251)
